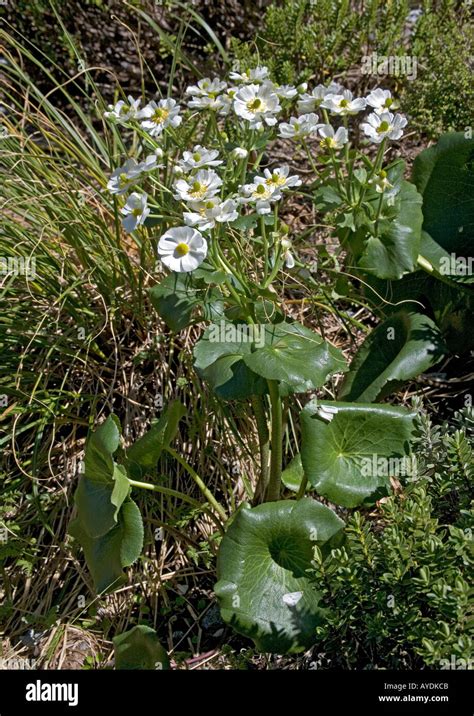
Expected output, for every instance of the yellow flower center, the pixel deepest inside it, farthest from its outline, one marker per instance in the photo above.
(275, 180)
(344, 103)
(383, 127)
(136, 212)
(182, 249)
(328, 143)
(388, 102)
(197, 157)
(198, 189)
(260, 189)
(160, 115)
(123, 179)
(254, 104)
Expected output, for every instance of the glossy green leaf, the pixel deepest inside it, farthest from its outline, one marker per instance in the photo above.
(400, 348)
(394, 251)
(143, 455)
(139, 648)
(346, 449)
(218, 358)
(104, 485)
(177, 296)
(101, 445)
(296, 357)
(264, 590)
(293, 474)
(106, 556)
(209, 274)
(233, 356)
(444, 175)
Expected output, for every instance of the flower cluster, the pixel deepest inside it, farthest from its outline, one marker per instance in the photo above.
(201, 188)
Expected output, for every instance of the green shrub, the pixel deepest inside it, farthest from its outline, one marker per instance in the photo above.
(399, 588)
(443, 95)
(300, 38)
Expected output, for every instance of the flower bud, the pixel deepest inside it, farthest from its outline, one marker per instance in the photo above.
(239, 153)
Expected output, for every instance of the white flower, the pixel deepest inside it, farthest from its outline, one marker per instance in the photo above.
(258, 74)
(302, 87)
(381, 100)
(228, 211)
(135, 211)
(386, 125)
(343, 104)
(204, 185)
(331, 139)
(220, 104)
(206, 87)
(261, 194)
(158, 115)
(239, 153)
(286, 91)
(383, 186)
(150, 162)
(258, 104)
(380, 182)
(206, 213)
(309, 102)
(182, 249)
(299, 127)
(123, 177)
(287, 255)
(122, 111)
(199, 157)
(207, 94)
(279, 179)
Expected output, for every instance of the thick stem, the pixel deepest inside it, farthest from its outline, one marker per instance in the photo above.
(274, 485)
(302, 489)
(264, 446)
(263, 231)
(207, 493)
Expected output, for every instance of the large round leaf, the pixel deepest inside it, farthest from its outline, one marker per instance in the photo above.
(444, 175)
(106, 556)
(394, 251)
(296, 357)
(264, 589)
(400, 348)
(219, 360)
(178, 295)
(238, 359)
(139, 648)
(348, 449)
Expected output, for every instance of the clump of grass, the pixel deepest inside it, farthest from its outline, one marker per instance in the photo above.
(78, 339)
